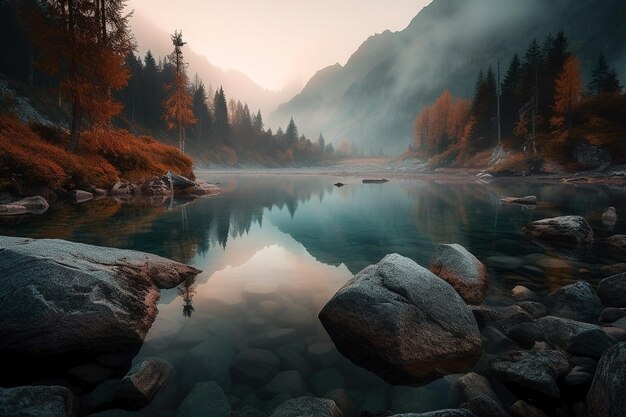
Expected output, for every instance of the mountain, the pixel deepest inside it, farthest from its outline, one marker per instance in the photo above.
(374, 99)
(237, 85)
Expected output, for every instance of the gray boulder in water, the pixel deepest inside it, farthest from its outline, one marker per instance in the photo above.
(606, 397)
(75, 300)
(577, 301)
(401, 321)
(179, 182)
(569, 230)
(459, 268)
(612, 290)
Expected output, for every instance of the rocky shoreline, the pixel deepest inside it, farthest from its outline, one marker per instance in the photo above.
(89, 309)
(159, 190)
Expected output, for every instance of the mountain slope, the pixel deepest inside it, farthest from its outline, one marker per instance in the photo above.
(375, 97)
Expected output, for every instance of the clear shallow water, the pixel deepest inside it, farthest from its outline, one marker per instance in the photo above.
(274, 249)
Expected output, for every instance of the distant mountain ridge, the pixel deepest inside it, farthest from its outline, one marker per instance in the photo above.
(374, 99)
(237, 85)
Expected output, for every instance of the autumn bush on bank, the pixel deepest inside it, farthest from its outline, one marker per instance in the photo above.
(36, 156)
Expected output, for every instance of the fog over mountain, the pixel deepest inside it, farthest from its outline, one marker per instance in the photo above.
(237, 85)
(374, 99)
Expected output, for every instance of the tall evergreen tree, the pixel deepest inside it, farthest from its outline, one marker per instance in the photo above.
(220, 111)
(603, 79)
(291, 134)
(203, 127)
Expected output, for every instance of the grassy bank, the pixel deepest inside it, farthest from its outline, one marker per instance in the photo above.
(34, 156)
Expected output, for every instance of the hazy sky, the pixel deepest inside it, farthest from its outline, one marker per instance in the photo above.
(277, 42)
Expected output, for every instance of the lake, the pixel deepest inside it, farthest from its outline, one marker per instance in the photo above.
(274, 248)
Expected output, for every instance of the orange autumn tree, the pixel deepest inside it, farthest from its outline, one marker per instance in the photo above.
(179, 105)
(568, 93)
(441, 124)
(84, 43)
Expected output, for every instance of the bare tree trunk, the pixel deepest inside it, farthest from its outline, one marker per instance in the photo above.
(76, 119)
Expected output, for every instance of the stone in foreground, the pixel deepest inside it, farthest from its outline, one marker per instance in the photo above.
(37, 401)
(74, 300)
(307, 407)
(459, 268)
(568, 230)
(401, 321)
(606, 397)
(532, 370)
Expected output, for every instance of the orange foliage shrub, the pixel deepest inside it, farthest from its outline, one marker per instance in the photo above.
(103, 157)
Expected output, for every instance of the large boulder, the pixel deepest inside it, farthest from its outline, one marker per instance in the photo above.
(37, 401)
(71, 300)
(568, 230)
(401, 321)
(612, 290)
(576, 301)
(536, 371)
(307, 407)
(459, 268)
(606, 397)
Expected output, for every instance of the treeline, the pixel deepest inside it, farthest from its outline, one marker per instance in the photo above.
(87, 67)
(225, 131)
(542, 99)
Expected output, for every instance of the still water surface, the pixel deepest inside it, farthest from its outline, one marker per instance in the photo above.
(274, 249)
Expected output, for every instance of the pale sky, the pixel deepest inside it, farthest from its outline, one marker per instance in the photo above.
(277, 42)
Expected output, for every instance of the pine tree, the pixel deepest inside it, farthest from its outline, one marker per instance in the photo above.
(220, 113)
(291, 134)
(603, 79)
(511, 99)
(202, 129)
(257, 123)
(178, 106)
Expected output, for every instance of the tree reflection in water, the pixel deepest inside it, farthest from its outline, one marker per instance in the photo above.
(186, 291)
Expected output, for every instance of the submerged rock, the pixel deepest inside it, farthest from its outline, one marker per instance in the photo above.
(75, 301)
(617, 246)
(375, 181)
(473, 392)
(135, 391)
(606, 396)
(401, 321)
(529, 199)
(612, 291)
(532, 370)
(206, 399)
(459, 268)
(609, 217)
(568, 230)
(576, 301)
(307, 407)
(37, 401)
(255, 366)
(576, 337)
(521, 293)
